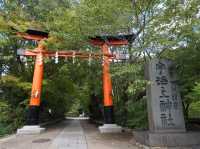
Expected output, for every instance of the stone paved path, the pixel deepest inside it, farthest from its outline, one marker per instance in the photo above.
(72, 137)
(70, 134)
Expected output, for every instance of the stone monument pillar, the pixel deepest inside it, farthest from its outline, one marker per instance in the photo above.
(165, 109)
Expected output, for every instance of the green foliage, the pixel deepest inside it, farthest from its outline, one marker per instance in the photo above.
(5, 110)
(69, 22)
(129, 89)
(3, 24)
(194, 109)
(19, 89)
(187, 63)
(13, 103)
(137, 114)
(87, 81)
(11, 119)
(194, 101)
(57, 92)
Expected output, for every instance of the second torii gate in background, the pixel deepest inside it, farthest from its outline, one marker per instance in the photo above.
(104, 42)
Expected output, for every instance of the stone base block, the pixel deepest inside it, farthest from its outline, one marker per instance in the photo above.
(30, 130)
(172, 139)
(110, 128)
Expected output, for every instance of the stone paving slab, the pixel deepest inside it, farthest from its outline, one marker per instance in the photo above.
(31, 141)
(70, 134)
(72, 137)
(97, 140)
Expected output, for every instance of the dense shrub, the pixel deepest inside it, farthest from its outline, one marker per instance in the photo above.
(13, 103)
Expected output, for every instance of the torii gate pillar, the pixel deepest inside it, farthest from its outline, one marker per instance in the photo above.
(33, 115)
(109, 122)
(104, 42)
(32, 126)
(107, 88)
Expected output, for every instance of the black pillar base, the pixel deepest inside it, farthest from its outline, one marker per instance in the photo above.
(108, 115)
(33, 115)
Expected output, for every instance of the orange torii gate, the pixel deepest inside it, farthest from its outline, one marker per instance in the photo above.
(104, 42)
